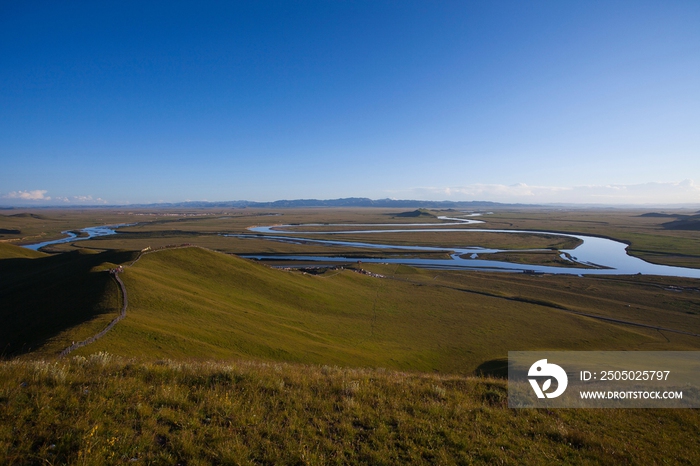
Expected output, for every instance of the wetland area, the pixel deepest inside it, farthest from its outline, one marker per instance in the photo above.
(593, 255)
(388, 314)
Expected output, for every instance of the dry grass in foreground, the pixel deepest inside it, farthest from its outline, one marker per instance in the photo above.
(106, 410)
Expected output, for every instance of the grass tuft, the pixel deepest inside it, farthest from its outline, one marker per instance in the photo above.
(104, 409)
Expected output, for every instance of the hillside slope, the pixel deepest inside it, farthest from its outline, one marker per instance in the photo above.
(43, 296)
(103, 410)
(196, 303)
(10, 251)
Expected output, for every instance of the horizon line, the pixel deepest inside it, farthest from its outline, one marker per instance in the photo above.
(309, 202)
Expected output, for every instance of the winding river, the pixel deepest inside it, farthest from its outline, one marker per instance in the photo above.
(596, 256)
(600, 256)
(90, 232)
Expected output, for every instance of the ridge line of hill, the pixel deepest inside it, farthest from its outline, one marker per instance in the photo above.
(225, 291)
(109, 326)
(125, 300)
(510, 298)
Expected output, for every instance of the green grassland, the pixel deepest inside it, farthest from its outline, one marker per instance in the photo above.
(197, 303)
(331, 368)
(668, 302)
(256, 246)
(10, 251)
(107, 410)
(46, 224)
(230, 245)
(549, 258)
(467, 238)
(647, 236)
(312, 318)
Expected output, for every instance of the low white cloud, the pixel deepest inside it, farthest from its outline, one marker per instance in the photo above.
(88, 199)
(36, 195)
(683, 192)
(26, 197)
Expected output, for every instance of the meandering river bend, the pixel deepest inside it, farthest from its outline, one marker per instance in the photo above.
(595, 255)
(600, 256)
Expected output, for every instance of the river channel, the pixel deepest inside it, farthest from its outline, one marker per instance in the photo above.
(595, 255)
(89, 232)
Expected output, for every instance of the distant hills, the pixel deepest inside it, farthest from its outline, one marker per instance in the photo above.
(691, 222)
(343, 202)
(416, 213)
(681, 222)
(285, 203)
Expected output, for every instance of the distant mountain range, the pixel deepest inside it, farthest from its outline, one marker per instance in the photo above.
(348, 202)
(345, 202)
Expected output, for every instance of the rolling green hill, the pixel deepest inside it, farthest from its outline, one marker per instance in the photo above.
(10, 251)
(160, 399)
(44, 296)
(195, 303)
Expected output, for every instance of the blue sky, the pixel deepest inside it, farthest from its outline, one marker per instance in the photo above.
(556, 101)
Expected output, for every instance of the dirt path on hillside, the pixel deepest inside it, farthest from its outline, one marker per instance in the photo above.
(125, 300)
(115, 274)
(97, 336)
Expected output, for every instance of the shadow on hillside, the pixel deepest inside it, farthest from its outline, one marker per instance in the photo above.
(42, 297)
(497, 368)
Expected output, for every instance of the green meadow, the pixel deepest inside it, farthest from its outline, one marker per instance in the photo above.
(649, 237)
(195, 303)
(223, 360)
(102, 409)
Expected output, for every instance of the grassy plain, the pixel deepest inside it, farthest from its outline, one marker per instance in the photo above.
(196, 303)
(549, 258)
(19, 226)
(170, 277)
(463, 239)
(107, 410)
(310, 363)
(647, 236)
(658, 301)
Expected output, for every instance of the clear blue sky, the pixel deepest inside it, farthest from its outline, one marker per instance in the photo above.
(131, 102)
